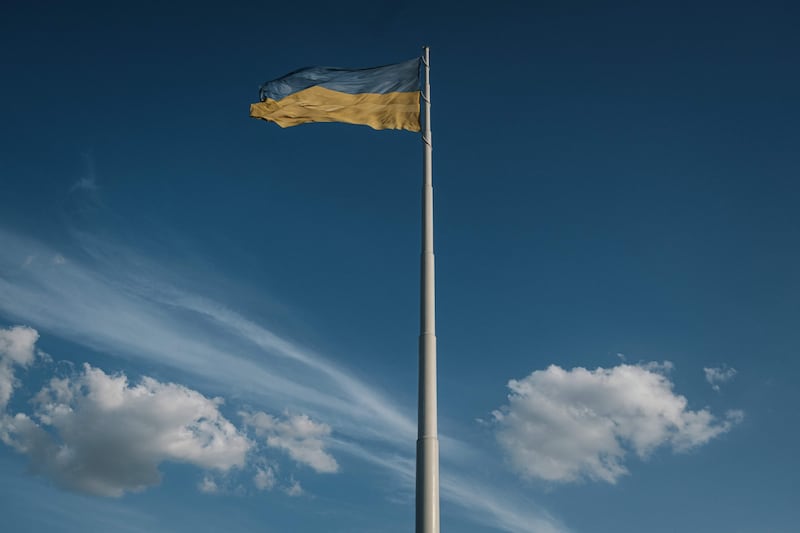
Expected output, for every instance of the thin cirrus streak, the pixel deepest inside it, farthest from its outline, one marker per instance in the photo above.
(486, 504)
(107, 309)
(112, 308)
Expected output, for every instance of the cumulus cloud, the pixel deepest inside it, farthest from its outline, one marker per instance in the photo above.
(98, 434)
(17, 349)
(17, 344)
(718, 375)
(298, 435)
(567, 425)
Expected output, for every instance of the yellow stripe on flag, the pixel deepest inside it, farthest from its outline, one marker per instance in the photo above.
(396, 110)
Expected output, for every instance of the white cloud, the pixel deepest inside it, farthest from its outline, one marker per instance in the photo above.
(17, 344)
(265, 478)
(208, 485)
(16, 349)
(298, 435)
(98, 434)
(718, 375)
(294, 489)
(566, 425)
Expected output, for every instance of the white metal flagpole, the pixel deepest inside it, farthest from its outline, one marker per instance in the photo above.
(427, 432)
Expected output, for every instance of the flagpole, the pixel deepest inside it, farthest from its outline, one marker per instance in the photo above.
(427, 432)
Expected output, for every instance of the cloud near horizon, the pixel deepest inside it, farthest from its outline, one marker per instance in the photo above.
(571, 425)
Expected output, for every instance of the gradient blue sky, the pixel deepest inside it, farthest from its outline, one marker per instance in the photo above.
(616, 187)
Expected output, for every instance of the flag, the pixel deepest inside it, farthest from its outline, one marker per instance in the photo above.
(381, 97)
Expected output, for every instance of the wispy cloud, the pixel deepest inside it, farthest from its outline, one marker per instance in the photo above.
(208, 485)
(105, 310)
(498, 508)
(298, 435)
(107, 306)
(717, 375)
(294, 488)
(484, 502)
(265, 478)
(87, 182)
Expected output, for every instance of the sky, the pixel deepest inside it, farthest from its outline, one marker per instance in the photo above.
(209, 323)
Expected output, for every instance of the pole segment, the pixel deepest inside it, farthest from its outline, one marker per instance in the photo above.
(427, 432)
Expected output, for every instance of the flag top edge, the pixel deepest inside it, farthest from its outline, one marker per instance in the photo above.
(397, 77)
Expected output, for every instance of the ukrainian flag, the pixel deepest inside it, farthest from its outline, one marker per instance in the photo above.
(381, 97)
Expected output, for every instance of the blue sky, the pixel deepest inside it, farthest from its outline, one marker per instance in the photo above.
(209, 323)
